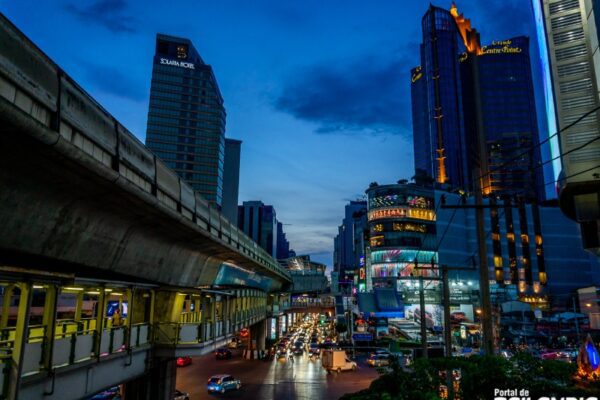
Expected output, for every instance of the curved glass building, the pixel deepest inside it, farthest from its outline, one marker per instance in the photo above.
(402, 232)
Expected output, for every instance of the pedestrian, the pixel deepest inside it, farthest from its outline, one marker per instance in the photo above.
(291, 357)
(116, 318)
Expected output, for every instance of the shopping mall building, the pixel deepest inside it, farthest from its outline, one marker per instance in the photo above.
(534, 254)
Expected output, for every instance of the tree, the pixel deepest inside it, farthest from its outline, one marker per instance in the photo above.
(341, 327)
(480, 375)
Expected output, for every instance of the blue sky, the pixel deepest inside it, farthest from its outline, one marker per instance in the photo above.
(318, 91)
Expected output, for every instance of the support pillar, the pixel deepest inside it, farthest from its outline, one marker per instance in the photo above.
(8, 292)
(129, 320)
(21, 337)
(78, 307)
(49, 321)
(100, 311)
(157, 384)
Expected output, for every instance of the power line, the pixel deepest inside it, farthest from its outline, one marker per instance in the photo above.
(583, 116)
(557, 157)
(547, 183)
(572, 175)
(435, 212)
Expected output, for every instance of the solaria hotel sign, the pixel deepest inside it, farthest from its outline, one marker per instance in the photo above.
(181, 64)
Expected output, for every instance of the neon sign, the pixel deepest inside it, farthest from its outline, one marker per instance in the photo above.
(417, 74)
(501, 47)
(181, 64)
(401, 212)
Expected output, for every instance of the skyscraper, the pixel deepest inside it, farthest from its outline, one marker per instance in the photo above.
(568, 39)
(186, 118)
(283, 245)
(259, 221)
(469, 100)
(501, 99)
(231, 179)
(439, 117)
(346, 257)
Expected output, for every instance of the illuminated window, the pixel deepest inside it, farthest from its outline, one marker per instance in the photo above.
(497, 261)
(378, 228)
(181, 51)
(376, 241)
(499, 275)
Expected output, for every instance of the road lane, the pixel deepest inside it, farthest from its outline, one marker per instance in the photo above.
(273, 380)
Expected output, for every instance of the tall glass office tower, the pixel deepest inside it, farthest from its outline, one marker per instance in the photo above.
(186, 118)
(508, 119)
(474, 107)
(439, 91)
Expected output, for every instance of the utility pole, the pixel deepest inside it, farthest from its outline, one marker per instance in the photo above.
(576, 321)
(447, 327)
(484, 278)
(422, 312)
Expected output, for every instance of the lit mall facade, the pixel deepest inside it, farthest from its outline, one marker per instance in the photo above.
(401, 221)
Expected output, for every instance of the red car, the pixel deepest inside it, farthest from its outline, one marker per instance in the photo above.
(549, 355)
(184, 361)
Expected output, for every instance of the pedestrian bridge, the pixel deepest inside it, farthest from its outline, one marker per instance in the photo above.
(91, 222)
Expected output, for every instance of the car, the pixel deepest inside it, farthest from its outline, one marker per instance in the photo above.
(380, 360)
(234, 344)
(114, 393)
(179, 395)
(223, 354)
(222, 383)
(549, 355)
(380, 352)
(183, 361)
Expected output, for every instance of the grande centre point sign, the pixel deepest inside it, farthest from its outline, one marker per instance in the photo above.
(181, 64)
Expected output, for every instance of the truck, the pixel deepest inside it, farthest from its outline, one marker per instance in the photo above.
(337, 360)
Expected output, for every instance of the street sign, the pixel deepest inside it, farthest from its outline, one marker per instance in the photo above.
(362, 336)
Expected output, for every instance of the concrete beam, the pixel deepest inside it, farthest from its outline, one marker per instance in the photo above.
(60, 213)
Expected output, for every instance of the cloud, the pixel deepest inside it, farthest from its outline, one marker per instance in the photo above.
(113, 80)
(367, 95)
(108, 13)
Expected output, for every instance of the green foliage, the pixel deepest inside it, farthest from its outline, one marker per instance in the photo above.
(480, 375)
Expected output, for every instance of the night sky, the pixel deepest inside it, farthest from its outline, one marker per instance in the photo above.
(318, 91)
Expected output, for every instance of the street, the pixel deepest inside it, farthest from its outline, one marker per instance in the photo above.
(282, 380)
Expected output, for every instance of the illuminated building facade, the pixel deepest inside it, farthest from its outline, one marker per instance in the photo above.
(464, 94)
(534, 252)
(568, 41)
(186, 118)
(401, 223)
